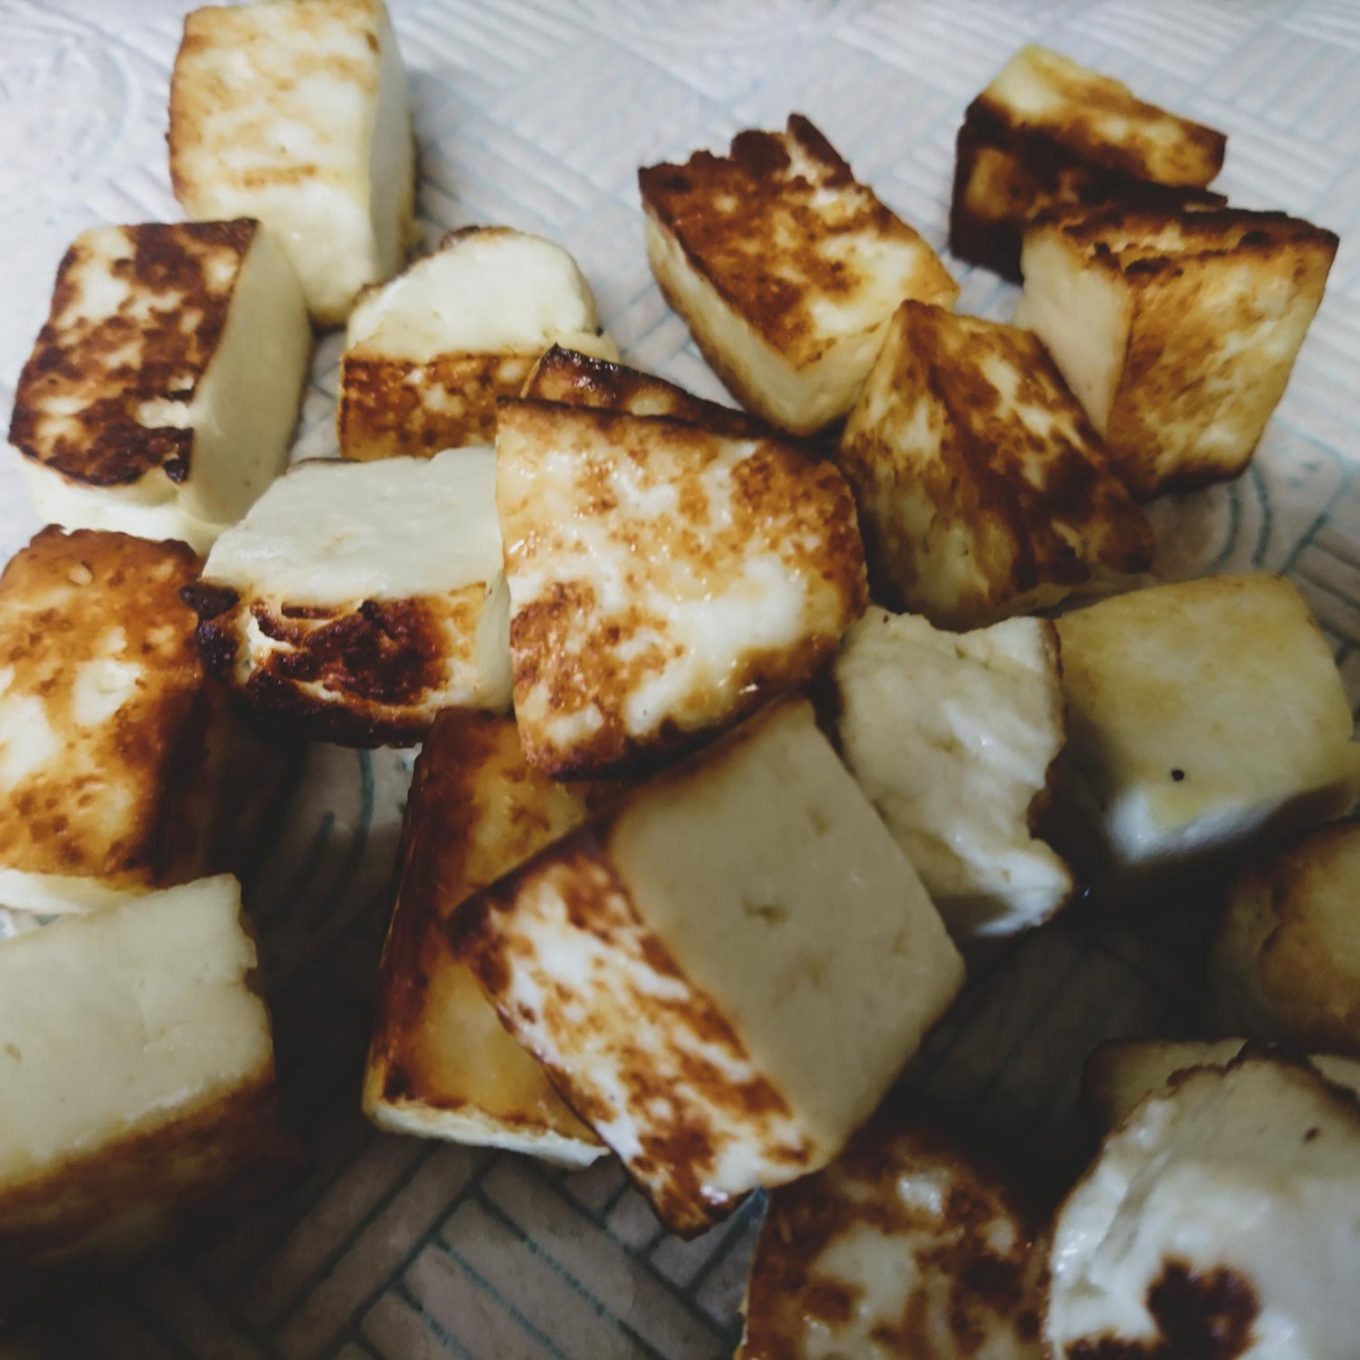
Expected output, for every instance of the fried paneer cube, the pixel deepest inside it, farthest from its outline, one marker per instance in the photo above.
(357, 600)
(785, 268)
(295, 112)
(1048, 131)
(136, 1076)
(1177, 331)
(982, 489)
(906, 1244)
(161, 394)
(570, 378)
(952, 736)
(675, 966)
(428, 354)
(440, 1063)
(1202, 716)
(1218, 1220)
(122, 766)
(1121, 1073)
(664, 578)
(1287, 957)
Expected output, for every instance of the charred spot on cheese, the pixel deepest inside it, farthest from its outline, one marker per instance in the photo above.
(130, 412)
(296, 114)
(664, 579)
(785, 268)
(714, 1049)
(356, 600)
(440, 1063)
(112, 739)
(573, 379)
(906, 1244)
(1177, 331)
(982, 489)
(429, 353)
(1046, 132)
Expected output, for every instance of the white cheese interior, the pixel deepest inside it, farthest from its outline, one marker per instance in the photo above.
(332, 532)
(58, 894)
(117, 1021)
(951, 737)
(1082, 315)
(490, 291)
(1256, 1171)
(391, 159)
(780, 894)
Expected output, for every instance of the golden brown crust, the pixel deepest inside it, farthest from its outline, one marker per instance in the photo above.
(476, 810)
(574, 653)
(1004, 177)
(1197, 278)
(570, 379)
(125, 1194)
(360, 676)
(963, 1287)
(1029, 508)
(676, 1158)
(109, 804)
(393, 408)
(96, 365)
(748, 224)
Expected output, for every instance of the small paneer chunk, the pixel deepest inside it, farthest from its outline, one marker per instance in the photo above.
(1202, 716)
(906, 1245)
(440, 1063)
(573, 379)
(1287, 958)
(136, 1076)
(357, 600)
(982, 489)
(665, 578)
(1177, 331)
(725, 972)
(785, 269)
(122, 765)
(428, 354)
(1121, 1073)
(1048, 131)
(161, 395)
(295, 112)
(952, 736)
(1219, 1220)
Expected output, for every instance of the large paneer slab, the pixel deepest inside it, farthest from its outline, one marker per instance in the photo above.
(161, 394)
(723, 974)
(982, 489)
(1048, 131)
(953, 737)
(357, 600)
(785, 268)
(295, 112)
(906, 1245)
(122, 768)
(136, 1076)
(1201, 716)
(664, 578)
(440, 1063)
(429, 354)
(1177, 331)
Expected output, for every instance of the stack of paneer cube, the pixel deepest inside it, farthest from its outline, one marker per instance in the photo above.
(738, 728)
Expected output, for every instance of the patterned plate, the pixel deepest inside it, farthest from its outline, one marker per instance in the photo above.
(536, 113)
